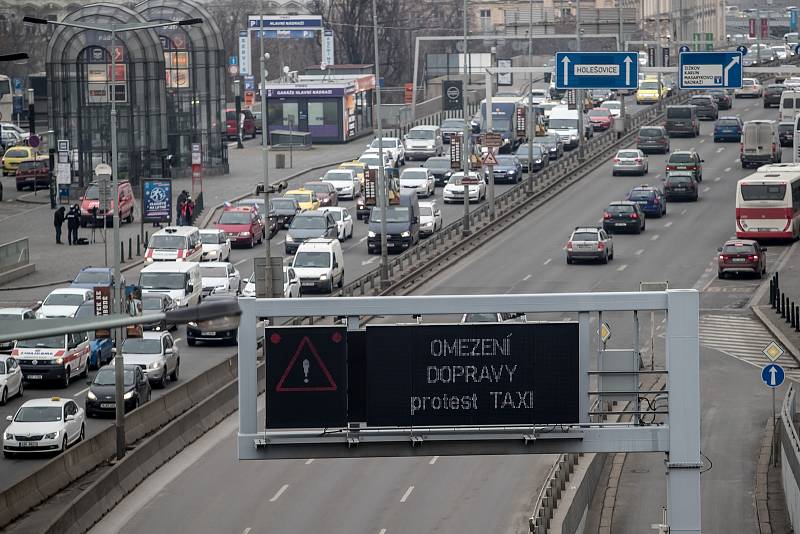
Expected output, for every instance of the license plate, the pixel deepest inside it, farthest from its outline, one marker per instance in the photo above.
(107, 405)
(642, 202)
(34, 377)
(24, 444)
(208, 334)
(738, 260)
(627, 163)
(307, 284)
(620, 224)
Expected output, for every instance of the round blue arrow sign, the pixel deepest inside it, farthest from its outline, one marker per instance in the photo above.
(797, 49)
(772, 375)
(684, 48)
(742, 49)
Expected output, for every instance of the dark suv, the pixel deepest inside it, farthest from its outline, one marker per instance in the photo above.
(681, 185)
(706, 107)
(653, 139)
(686, 160)
(623, 215)
(682, 120)
(772, 94)
(742, 256)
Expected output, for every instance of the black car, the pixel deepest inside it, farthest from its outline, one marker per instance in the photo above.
(539, 158)
(681, 185)
(309, 225)
(451, 127)
(551, 143)
(507, 170)
(625, 216)
(599, 96)
(786, 133)
(772, 94)
(706, 107)
(158, 303)
(100, 399)
(440, 169)
(284, 209)
(223, 329)
(721, 97)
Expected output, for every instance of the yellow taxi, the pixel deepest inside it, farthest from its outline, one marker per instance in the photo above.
(306, 198)
(650, 91)
(14, 156)
(359, 168)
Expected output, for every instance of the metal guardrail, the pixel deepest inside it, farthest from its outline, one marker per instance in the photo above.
(14, 254)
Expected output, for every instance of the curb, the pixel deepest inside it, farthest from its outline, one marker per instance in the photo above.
(762, 474)
(775, 331)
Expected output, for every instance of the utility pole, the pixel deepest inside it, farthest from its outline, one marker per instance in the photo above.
(465, 138)
(490, 168)
(383, 197)
(660, 52)
(531, 112)
(237, 90)
(265, 149)
(620, 47)
(579, 92)
(758, 34)
(31, 116)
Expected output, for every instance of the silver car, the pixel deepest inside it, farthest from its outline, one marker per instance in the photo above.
(590, 243)
(630, 161)
(157, 355)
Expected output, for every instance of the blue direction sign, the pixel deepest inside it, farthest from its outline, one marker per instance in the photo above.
(772, 375)
(597, 70)
(742, 49)
(710, 70)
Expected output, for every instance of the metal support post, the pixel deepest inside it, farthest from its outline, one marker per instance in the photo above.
(579, 92)
(265, 151)
(489, 169)
(466, 145)
(248, 381)
(383, 190)
(531, 112)
(31, 117)
(758, 34)
(238, 104)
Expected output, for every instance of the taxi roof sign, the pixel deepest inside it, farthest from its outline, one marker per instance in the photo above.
(773, 351)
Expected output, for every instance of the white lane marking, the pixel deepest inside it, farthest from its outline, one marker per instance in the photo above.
(404, 498)
(658, 176)
(720, 149)
(527, 277)
(622, 267)
(177, 339)
(684, 212)
(639, 252)
(382, 531)
(653, 238)
(363, 239)
(706, 189)
(280, 492)
(309, 461)
(367, 262)
(81, 392)
(599, 221)
(718, 178)
(667, 225)
(548, 261)
(433, 460)
(747, 109)
(280, 242)
(702, 140)
(727, 169)
(241, 262)
(246, 531)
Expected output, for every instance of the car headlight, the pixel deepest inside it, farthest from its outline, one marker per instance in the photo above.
(370, 234)
(512, 172)
(244, 234)
(405, 234)
(9, 436)
(128, 395)
(323, 277)
(154, 365)
(59, 360)
(51, 435)
(289, 239)
(537, 160)
(91, 396)
(192, 324)
(427, 224)
(574, 137)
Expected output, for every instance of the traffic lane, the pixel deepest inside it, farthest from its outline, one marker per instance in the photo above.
(194, 361)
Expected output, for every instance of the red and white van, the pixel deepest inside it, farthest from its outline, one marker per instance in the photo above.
(53, 358)
(175, 243)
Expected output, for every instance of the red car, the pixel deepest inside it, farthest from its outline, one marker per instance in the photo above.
(243, 225)
(33, 173)
(600, 118)
(742, 256)
(248, 124)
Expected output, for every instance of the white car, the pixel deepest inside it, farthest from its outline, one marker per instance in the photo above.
(216, 245)
(454, 190)
(392, 145)
(219, 277)
(750, 88)
(614, 106)
(44, 425)
(63, 302)
(157, 355)
(792, 82)
(345, 181)
(371, 159)
(344, 221)
(419, 179)
(10, 378)
(430, 218)
(780, 52)
(291, 284)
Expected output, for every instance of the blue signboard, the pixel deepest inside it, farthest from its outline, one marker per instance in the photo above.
(285, 22)
(793, 20)
(286, 34)
(597, 70)
(710, 70)
(157, 201)
(233, 60)
(249, 83)
(772, 375)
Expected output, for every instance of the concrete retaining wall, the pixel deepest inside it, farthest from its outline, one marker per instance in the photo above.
(790, 457)
(574, 519)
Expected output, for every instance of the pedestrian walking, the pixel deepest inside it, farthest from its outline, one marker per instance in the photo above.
(58, 222)
(186, 211)
(73, 221)
(179, 207)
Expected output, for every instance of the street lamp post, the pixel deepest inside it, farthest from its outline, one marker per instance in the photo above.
(531, 115)
(382, 182)
(465, 138)
(117, 301)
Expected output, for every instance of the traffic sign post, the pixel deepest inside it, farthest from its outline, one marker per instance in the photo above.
(710, 70)
(597, 70)
(773, 376)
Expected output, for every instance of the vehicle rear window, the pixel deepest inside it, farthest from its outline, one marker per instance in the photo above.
(651, 132)
(679, 179)
(739, 249)
(701, 100)
(628, 154)
(748, 81)
(788, 103)
(230, 115)
(728, 122)
(680, 158)
(641, 195)
(763, 191)
(584, 236)
(679, 113)
(619, 208)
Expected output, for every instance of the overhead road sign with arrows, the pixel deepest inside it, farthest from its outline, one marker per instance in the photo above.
(597, 70)
(710, 70)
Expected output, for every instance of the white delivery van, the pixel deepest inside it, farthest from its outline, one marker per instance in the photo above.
(175, 243)
(180, 280)
(423, 142)
(564, 122)
(319, 264)
(790, 105)
(760, 143)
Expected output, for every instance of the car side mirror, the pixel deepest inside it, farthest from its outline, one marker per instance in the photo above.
(88, 382)
(38, 302)
(335, 264)
(168, 350)
(9, 418)
(69, 418)
(113, 350)
(190, 287)
(719, 249)
(702, 161)
(763, 249)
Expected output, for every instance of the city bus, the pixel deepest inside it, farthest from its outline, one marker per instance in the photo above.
(6, 99)
(768, 203)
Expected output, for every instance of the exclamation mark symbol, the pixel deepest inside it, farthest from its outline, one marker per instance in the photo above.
(306, 366)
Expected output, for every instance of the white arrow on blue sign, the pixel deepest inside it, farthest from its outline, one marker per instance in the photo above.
(710, 70)
(772, 375)
(597, 70)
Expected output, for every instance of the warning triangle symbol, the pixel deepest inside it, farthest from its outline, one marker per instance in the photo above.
(489, 159)
(306, 371)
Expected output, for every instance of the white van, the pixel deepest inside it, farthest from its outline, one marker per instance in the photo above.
(564, 122)
(790, 105)
(181, 281)
(319, 264)
(760, 143)
(175, 243)
(423, 142)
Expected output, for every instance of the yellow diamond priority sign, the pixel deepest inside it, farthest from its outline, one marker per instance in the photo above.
(773, 351)
(605, 332)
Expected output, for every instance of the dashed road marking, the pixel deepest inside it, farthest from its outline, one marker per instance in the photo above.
(720, 149)
(727, 169)
(548, 261)
(382, 531)
(667, 224)
(309, 461)
(363, 239)
(433, 460)
(405, 496)
(527, 277)
(622, 267)
(81, 392)
(653, 238)
(280, 492)
(242, 261)
(639, 252)
(684, 212)
(367, 262)
(702, 140)
(718, 178)
(246, 531)
(706, 189)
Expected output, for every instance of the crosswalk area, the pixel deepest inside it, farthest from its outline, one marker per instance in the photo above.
(743, 338)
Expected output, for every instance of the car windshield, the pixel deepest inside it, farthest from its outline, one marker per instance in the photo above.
(562, 124)
(339, 176)
(211, 238)
(437, 163)
(619, 208)
(584, 236)
(453, 124)
(138, 345)
(387, 143)
(775, 88)
(370, 159)
(92, 192)
(426, 211)
(414, 174)
(679, 112)
(63, 299)
(610, 104)
(51, 342)
(105, 377)
(38, 414)
(234, 217)
(151, 303)
(507, 161)
(300, 197)
(308, 222)
(786, 127)
(456, 179)
(738, 248)
(763, 192)
(649, 86)
(213, 272)
(168, 242)
(250, 203)
(480, 318)
(16, 153)
(422, 134)
(336, 214)
(92, 277)
(393, 214)
(628, 154)
(651, 132)
(312, 259)
(680, 158)
(522, 151)
(599, 113)
(728, 122)
(282, 204)
(162, 280)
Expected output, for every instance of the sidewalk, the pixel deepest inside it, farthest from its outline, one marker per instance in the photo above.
(55, 263)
